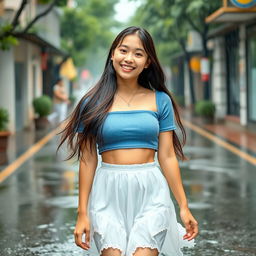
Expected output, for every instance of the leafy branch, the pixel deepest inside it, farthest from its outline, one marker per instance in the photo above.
(10, 32)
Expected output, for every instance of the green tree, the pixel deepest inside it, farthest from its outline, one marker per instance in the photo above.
(87, 28)
(195, 14)
(169, 28)
(170, 21)
(10, 31)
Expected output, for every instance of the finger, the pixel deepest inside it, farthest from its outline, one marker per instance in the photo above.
(195, 231)
(194, 234)
(187, 236)
(87, 237)
(78, 240)
(189, 230)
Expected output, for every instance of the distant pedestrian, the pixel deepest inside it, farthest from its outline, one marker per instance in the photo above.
(60, 99)
(125, 204)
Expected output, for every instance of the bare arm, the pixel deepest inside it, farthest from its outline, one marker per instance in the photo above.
(170, 167)
(88, 165)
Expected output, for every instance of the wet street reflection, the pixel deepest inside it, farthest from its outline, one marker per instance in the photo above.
(38, 203)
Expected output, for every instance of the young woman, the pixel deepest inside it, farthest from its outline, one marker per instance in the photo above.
(125, 204)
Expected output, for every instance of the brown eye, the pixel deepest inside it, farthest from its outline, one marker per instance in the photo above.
(138, 54)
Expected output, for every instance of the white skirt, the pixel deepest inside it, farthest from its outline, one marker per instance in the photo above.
(130, 207)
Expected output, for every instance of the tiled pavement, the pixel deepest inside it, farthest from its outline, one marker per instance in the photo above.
(241, 137)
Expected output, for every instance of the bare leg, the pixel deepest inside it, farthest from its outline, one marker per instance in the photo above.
(146, 252)
(111, 252)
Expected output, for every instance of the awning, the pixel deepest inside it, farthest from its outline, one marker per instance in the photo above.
(230, 12)
(50, 48)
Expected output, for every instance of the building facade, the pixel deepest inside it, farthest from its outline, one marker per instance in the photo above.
(25, 72)
(232, 48)
(234, 62)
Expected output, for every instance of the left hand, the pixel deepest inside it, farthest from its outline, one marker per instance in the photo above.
(190, 224)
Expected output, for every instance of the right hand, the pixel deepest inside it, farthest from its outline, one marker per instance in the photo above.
(82, 226)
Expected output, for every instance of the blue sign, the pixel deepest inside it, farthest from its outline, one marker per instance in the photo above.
(243, 3)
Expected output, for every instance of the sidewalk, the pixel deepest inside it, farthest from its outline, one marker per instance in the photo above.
(23, 140)
(19, 143)
(239, 136)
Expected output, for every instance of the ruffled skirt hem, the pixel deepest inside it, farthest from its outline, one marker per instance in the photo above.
(147, 232)
(131, 209)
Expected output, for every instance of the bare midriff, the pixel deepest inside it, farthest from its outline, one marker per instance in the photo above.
(129, 156)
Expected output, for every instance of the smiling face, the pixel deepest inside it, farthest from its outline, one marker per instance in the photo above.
(129, 58)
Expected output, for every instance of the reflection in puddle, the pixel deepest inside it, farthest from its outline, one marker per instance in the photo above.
(39, 216)
(63, 201)
(59, 249)
(43, 226)
(200, 206)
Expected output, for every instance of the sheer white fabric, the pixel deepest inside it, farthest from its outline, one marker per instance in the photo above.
(130, 207)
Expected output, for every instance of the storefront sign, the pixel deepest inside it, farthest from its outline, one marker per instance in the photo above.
(243, 3)
(205, 69)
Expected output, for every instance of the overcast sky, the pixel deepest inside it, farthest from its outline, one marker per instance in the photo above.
(125, 9)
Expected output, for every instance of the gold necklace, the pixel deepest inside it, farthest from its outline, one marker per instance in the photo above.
(128, 103)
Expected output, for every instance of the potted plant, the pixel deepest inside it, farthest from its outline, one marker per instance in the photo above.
(4, 133)
(43, 107)
(205, 109)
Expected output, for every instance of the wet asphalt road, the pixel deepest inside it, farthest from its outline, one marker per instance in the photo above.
(38, 203)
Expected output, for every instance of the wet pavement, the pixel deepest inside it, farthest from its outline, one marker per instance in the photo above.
(38, 203)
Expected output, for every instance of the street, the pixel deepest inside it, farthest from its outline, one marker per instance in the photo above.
(202, 53)
(38, 203)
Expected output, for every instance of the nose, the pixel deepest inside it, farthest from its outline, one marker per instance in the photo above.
(129, 58)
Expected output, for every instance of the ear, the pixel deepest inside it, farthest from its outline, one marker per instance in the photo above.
(112, 55)
(147, 63)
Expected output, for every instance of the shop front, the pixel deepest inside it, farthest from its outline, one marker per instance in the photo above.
(251, 64)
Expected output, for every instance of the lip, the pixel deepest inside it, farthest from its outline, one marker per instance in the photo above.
(127, 68)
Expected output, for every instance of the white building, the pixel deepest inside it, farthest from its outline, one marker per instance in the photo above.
(22, 75)
(234, 62)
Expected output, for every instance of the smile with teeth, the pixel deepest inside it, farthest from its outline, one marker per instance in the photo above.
(127, 68)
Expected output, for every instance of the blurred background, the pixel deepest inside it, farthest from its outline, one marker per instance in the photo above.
(208, 52)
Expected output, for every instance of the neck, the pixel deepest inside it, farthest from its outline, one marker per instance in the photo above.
(127, 86)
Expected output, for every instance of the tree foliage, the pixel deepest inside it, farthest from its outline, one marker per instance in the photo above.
(10, 31)
(86, 28)
(60, 3)
(170, 20)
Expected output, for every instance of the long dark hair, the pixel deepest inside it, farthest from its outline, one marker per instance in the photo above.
(100, 98)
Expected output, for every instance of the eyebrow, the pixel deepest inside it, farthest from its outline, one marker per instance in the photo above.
(126, 46)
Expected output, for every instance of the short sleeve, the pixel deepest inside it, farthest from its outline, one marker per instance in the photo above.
(80, 126)
(166, 113)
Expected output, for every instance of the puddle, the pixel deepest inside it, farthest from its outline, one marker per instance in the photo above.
(63, 202)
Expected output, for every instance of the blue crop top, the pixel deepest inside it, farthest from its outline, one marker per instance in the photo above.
(136, 128)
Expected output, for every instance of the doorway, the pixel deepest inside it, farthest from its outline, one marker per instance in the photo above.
(19, 95)
(233, 88)
(252, 74)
